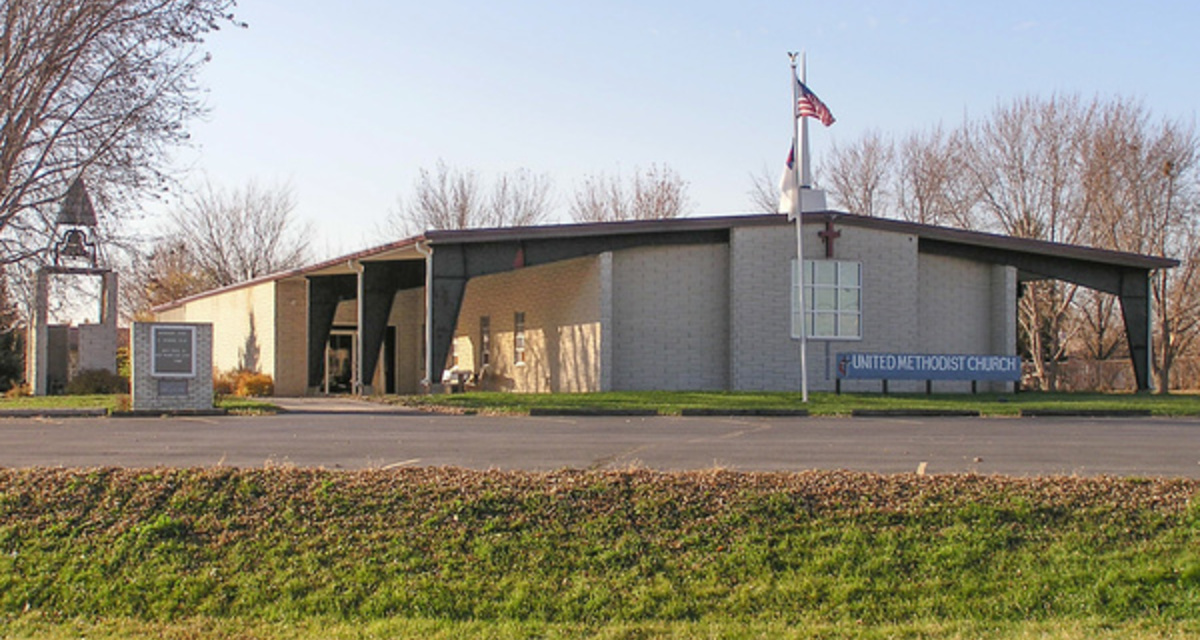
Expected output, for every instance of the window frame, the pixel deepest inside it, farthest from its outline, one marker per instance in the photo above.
(844, 291)
(485, 341)
(520, 348)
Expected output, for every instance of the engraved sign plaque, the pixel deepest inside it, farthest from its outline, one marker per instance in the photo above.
(173, 352)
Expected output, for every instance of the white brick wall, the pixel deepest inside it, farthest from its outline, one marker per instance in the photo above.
(912, 302)
(671, 318)
(965, 308)
(764, 355)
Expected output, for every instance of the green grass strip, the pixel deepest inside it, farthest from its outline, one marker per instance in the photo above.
(598, 550)
(820, 404)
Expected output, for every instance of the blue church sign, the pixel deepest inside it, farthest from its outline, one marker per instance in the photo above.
(912, 366)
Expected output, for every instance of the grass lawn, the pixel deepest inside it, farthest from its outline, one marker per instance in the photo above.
(673, 402)
(121, 403)
(445, 553)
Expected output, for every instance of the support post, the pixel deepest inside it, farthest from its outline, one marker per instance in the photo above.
(1135, 310)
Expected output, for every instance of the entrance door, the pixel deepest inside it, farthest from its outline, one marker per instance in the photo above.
(339, 362)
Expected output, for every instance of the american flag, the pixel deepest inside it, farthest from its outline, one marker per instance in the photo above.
(809, 105)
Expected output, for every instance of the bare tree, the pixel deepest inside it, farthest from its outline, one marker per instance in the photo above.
(519, 199)
(241, 234)
(1025, 165)
(860, 174)
(1141, 183)
(764, 191)
(446, 199)
(169, 271)
(600, 198)
(449, 198)
(932, 185)
(103, 87)
(657, 192)
(1099, 172)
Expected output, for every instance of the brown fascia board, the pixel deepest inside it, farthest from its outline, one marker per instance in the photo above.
(1010, 243)
(943, 234)
(592, 229)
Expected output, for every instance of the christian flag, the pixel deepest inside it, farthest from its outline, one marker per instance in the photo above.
(808, 105)
(788, 196)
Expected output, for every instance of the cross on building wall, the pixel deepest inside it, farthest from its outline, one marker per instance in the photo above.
(828, 236)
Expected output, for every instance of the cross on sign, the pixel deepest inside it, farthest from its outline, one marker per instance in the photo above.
(828, 236)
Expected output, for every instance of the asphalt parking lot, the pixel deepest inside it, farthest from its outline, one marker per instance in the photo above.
(361, 436)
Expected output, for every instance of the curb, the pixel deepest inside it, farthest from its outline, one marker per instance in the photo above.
(1085, 413)
(168, 413)
(769, 413)
(915, 413)
(548, 411)
(54, 413)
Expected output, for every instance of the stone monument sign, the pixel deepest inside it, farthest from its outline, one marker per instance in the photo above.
(172, 366)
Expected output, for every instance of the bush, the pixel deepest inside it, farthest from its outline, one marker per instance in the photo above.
(253, 385)
(124, 365)
(96, 381)
(225, 382)
(243, 383)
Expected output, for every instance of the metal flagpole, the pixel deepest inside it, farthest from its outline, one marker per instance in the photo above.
(800, 163)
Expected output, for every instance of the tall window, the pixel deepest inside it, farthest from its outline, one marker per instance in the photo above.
(485, 341)
(832, 300)
(519, 337)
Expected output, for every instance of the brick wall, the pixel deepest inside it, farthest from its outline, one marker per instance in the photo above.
(670, 318)
(765, 357)
(561, 303)
(408, 316)
(290, 344)
(966, 307)
(146, 387)
(243, 326)
(911, 302)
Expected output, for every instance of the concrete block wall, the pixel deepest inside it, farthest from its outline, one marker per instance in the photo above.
(145, 387)
(408, 316)
(764, 356)
(961, 310)
(606, 321)
(98, 347)
(670, 318)
(561, 302)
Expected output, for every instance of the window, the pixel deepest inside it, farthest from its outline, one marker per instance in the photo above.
(519, 337)
(832, 300)
(485, 341)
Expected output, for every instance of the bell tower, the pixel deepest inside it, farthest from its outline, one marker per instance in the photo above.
(73, 251)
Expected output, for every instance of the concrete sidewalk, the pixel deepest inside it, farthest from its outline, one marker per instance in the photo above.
(336, 404)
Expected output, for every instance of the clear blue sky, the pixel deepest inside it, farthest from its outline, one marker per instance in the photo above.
(348, 100)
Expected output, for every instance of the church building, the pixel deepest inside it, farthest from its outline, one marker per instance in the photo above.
(704, 303)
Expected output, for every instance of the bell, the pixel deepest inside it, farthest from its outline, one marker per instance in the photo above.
(75, 245)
